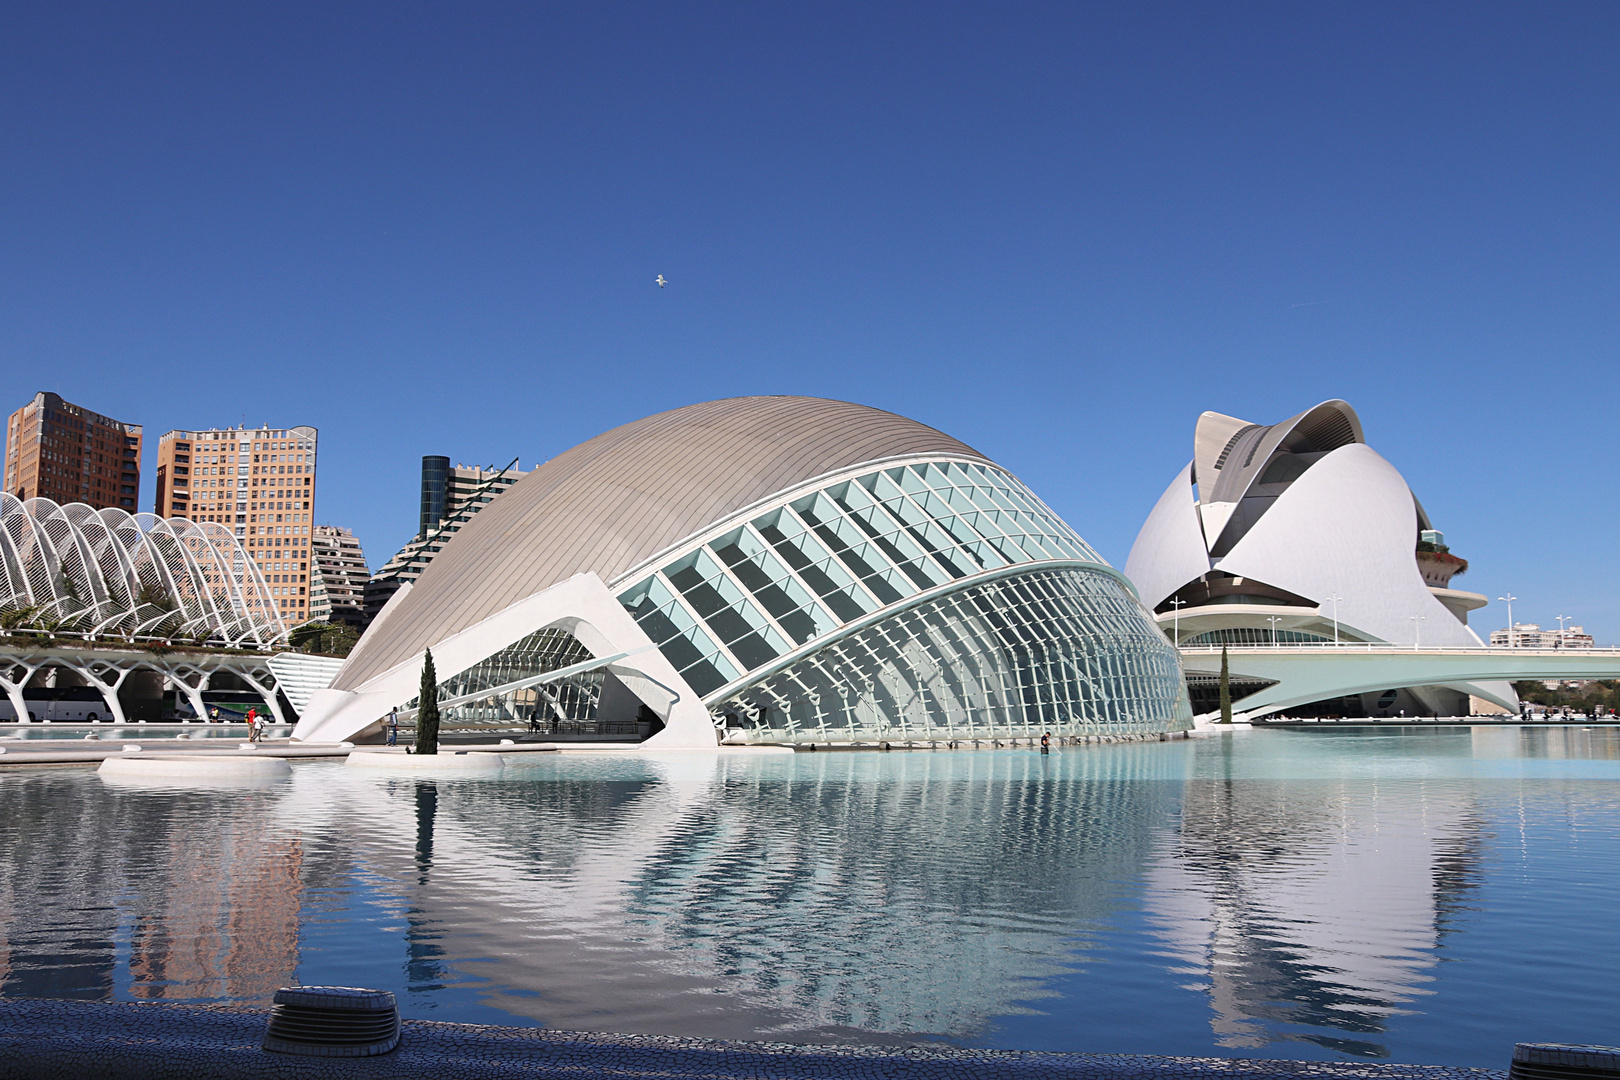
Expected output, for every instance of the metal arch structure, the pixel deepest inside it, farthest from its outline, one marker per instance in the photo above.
(107, 573)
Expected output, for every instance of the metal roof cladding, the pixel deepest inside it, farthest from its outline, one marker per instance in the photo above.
(610, 504)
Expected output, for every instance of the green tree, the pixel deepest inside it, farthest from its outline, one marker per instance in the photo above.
(427, 709)
(1226, 688)
(14, 618)
(332, 639)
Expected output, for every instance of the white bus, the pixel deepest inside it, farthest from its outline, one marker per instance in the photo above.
(58, 704)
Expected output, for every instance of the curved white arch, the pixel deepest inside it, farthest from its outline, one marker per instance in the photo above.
(1347, 527)
(94, 566)
(1170, 549)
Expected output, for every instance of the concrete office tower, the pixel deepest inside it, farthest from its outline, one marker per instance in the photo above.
(60, 451)
(257, 482)
(450, 498)
(340, 577)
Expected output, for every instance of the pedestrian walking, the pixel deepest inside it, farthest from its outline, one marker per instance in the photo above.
(393, 727)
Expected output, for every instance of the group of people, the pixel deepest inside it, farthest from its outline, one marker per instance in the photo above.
(255, 725)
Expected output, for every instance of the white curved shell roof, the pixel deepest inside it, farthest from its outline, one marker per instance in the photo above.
(610, 504)
(1344, 524)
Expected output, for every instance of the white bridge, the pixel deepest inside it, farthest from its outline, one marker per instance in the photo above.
(1302, 673)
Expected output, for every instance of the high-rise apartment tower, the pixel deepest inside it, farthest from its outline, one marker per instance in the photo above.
(340, 577)
(450, 497)
(67, 453)
(259, 482)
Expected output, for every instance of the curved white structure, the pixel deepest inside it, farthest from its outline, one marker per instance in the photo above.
(107, 573)
(1299, 532)
(770, 569)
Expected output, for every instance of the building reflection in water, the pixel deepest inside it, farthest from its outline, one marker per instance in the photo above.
(813, 895)
(158, 893)
(1306, 891)
(1312, 909)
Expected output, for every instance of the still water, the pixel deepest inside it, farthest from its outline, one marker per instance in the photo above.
(1417, 896)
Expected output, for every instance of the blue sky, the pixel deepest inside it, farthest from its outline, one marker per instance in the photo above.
(1058, 232)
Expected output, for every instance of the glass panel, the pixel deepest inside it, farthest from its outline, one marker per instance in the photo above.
(764, 575)
(667, 623)
(910, 480)
(814, 563)
(1060, 651)
(721, 605)
(849, 543)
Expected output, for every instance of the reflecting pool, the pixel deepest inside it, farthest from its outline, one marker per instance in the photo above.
(1418, 896)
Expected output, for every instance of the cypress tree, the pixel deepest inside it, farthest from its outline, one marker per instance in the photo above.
(427, 709)
(1226, 689)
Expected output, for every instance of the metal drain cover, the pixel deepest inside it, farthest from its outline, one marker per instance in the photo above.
(1560, 1061)
(332, 1021)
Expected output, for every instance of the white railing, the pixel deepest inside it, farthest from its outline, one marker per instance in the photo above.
(1392, 646)
(52, 639)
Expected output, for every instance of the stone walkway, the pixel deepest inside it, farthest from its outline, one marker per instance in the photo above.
(59, 1040)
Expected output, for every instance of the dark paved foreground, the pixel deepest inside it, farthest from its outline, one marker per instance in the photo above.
(114, 1041)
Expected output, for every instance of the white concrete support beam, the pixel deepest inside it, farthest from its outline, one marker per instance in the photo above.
(14, 686)
(95, 672)
(1306, 673)
(581, 606)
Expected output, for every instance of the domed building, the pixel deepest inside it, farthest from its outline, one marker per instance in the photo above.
(766, 569)
(1300, 533)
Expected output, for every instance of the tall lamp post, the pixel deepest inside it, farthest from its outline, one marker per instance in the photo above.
(1562, 619)
(1508, 600)
(1175, 635)
(1417, 629)
(1335, 598)
(1274, 620)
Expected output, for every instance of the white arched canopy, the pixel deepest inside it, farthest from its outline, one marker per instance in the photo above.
(108, 572)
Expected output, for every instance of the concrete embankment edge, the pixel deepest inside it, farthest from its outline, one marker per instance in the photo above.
(48, 1040)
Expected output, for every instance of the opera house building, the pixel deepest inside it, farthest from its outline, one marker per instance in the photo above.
(767, 570)
(1300, 533)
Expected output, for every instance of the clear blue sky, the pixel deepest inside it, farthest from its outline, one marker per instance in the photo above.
(1058, 232)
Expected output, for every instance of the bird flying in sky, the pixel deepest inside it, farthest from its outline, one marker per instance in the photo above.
(661, 281)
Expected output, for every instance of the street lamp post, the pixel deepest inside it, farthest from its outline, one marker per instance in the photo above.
(1417, 629)
(1176, 634)
(1274, 620)
(1508, 600)
(1335, 598)
(1562, 619)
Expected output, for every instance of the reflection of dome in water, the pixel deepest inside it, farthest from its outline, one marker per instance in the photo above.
(699, 894)
(1312, 919)
(788, 569)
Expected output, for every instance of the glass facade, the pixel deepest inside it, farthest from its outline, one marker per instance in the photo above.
(1065, 650)
(803, 570)
(569, 705)
(1058, 647)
